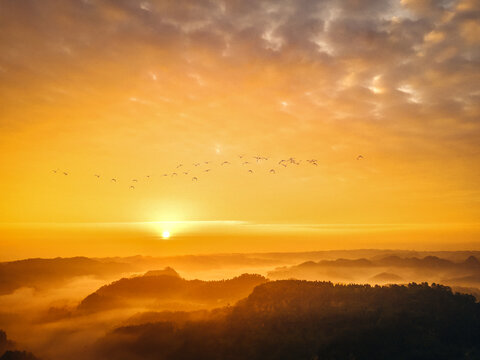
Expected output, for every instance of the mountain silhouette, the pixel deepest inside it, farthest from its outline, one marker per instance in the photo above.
(167, 271)
(386, 277)
(153, 290)
(294, 319)
(472, 261)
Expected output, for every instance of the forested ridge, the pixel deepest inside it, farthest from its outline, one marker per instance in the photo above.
(294, 319)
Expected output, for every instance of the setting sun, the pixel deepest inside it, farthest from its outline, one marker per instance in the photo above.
(166, 234)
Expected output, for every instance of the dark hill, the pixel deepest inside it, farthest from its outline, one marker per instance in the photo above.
(167, 271)
(386, 277)
(314, 320)
(39, 273)
(472, 261)
(166, 288)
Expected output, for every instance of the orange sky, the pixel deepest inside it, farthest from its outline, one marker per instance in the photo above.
(127, 89)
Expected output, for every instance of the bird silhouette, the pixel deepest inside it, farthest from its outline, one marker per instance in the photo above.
(225, 163)
(246, 162)
(250, 171)
(272, 171)
(132, 187)
(114, 180)
(179, 165)
(360, 157)
(55, 171)
(174, 174)
(135, 180)
(196, 164)
(185, 173)
(194, 178)
(207, 170)
(97, 176)
(65, 173)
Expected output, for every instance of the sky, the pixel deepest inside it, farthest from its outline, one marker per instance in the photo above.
(131, 89)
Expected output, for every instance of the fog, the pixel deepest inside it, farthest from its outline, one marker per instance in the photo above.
(59, 314)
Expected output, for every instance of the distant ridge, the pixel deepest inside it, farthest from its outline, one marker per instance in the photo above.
(386, 277)
(151, 291)
(472, 261)
(167, 271)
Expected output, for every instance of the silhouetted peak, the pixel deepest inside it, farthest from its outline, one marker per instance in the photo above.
(431, 258)
(352, 262)
(308, 264)
(472, 261)
(386, 277)
(166, 271)
(435, 261)
(391, 260)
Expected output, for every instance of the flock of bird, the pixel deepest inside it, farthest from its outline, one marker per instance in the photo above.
(206, 167)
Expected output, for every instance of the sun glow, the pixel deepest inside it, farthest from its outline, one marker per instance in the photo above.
(166, 234)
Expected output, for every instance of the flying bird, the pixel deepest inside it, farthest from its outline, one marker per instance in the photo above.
(250, 171)
(246, 162)
(97, 176)
(174, 174)
(179, 165)
(185, 173)
(196, 164)
(272, 171)
(194, 178)
(65, 173)
(132, 187)
(114, 180)
(207, 170)
(360, 157)
(135, 180)
(55, 171)
(225, 163)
